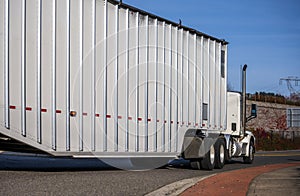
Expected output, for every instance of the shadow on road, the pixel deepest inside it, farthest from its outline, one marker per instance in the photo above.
(51, 164)
(294, 160)
(47, 163)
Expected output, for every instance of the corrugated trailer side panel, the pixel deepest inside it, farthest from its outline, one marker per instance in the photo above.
(217, 88)
(174, 89)
(16, 32)
(160, 86)
(61, 74)
(205, 86)
(212, 85)
(3, 57)
(47, 64)
(152, 84)
(75, 74)
(132, 77)
(222, 72)
(32, 64)
(122, 90)
(96, 77)
(110, 82)
(222, 87)
(199, 80)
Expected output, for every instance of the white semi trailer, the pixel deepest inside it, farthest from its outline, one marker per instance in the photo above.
(99, 78)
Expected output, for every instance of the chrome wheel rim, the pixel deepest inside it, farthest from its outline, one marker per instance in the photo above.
(212, 154)
(222, 154)
(251, 152)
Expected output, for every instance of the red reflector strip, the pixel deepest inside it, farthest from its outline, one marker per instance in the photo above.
(43, 110)
(196, 124)
(12, 107)
(129, 118)
(84, 114)
(119, 117)
(165, 121)
(203, 125)
(108, 116)
(58, 111)
(140, 119)
(157, 120)
(190, 123)
(28, 108)
(97, 115)
(172, 121)
(149, 120)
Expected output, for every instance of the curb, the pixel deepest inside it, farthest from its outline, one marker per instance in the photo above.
(178, 187)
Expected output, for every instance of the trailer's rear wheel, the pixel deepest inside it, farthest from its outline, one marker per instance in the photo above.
(208, 162)
(249, 159)
(220, 153)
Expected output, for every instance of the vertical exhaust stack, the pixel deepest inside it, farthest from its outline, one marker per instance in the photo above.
(244, 118)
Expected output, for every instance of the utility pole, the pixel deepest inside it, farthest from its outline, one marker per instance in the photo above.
(289, 82)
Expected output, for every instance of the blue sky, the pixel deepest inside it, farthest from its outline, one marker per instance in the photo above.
(265, 34)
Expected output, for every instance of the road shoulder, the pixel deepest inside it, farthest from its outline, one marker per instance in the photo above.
(233, 182)
(281, 182)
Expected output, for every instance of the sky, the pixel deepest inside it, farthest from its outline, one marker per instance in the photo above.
(264, 34)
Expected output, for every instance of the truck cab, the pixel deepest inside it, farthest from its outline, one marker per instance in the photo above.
(233, 114)
(239, 141)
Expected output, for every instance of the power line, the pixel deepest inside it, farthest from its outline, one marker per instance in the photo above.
(289, 82)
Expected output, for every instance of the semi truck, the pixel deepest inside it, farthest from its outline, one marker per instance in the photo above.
(99, 78)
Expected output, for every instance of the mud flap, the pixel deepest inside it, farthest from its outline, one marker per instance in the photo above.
(196, 145)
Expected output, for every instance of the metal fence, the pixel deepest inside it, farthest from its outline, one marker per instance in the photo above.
(293, 117)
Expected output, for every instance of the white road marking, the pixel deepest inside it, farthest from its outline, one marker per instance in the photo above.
(178, 187)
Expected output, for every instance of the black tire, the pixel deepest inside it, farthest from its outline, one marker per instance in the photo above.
(195, 164)
(228, 152)
(220, 153)
(249, 159)
(208, 162)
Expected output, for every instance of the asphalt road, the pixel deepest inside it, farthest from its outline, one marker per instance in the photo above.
(29, 175)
